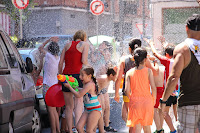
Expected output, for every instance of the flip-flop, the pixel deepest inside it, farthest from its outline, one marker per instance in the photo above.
(64, 131)
(159, 131)
(109, 129)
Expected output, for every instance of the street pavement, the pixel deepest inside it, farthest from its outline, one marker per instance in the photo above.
(115, 117)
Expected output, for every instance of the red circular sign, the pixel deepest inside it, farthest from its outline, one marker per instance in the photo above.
(21, 4)
(96, 7)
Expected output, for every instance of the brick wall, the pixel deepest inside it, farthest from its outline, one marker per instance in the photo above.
(74, 3)
(70, 3)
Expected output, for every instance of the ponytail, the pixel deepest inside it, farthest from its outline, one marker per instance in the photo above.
(139, 55)
(137, 60)
(96, 86)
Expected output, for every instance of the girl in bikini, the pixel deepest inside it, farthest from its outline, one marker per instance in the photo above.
(93, 109)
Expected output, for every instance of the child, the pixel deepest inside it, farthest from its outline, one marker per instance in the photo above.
(168, 62)
(103, 83)
(158, 116)
(93, 110)
(126, 63)
(50, 76)
(137, 88)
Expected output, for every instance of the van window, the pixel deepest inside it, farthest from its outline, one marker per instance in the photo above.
(16, 53)
(9, 52)
(3, 63)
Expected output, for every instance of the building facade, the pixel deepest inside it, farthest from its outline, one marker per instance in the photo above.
(5, 21)
(119, 18)
(169, 18)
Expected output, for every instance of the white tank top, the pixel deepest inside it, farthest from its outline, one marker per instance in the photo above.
(50, 69)
(194, 46)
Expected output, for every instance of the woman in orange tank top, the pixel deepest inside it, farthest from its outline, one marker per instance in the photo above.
(137, 88)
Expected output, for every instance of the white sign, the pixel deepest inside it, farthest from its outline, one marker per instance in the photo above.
(21, 4)
(96, 7)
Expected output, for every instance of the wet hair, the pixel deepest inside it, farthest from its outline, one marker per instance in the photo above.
(193, 22)
(169, 50)
(106, 43)
(111, 70)
(80, 34)
(53, 48)
(90, 71)
(109, 47)
(139, 55)
(134, 43)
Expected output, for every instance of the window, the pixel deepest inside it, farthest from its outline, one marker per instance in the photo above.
(3, 63)
(174, 23)
(15, 51)
(9, 52)
(16, 54)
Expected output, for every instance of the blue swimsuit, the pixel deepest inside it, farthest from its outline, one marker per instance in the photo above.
(91, 103)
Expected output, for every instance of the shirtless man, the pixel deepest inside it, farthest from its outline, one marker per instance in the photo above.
(186, 67)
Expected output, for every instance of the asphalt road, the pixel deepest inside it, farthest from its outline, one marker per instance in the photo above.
(115, 117)
(117, 122)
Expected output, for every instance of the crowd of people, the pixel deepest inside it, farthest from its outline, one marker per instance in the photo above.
(151, 84)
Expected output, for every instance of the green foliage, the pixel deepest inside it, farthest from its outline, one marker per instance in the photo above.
(14, 39)
(13, 11)
(178, 16)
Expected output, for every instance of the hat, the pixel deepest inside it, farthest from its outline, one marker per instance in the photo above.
(193, 22)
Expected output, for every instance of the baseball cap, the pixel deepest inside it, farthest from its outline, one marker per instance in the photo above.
(193, 22)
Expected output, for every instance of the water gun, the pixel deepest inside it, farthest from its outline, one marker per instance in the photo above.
(71, 80)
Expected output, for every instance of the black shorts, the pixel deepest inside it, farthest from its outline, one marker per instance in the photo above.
(171, 100)
(65, 89)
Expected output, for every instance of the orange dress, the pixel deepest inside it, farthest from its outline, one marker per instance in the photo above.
(141, 105)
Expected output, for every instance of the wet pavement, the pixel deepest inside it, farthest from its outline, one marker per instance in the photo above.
(117, 122)
(115, 116)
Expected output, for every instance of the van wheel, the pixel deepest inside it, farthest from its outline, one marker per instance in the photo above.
(10, 128)
(36, 124)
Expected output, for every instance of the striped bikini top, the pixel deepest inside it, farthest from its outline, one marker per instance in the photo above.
(91, 102)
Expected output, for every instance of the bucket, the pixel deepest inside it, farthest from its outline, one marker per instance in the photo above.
(54, 96)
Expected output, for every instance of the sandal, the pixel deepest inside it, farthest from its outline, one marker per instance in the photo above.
(162, 130)
(159, 131)
(64, 131)
(109, 129)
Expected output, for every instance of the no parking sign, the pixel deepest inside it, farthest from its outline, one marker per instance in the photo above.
(20, 4)
(96, 7)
